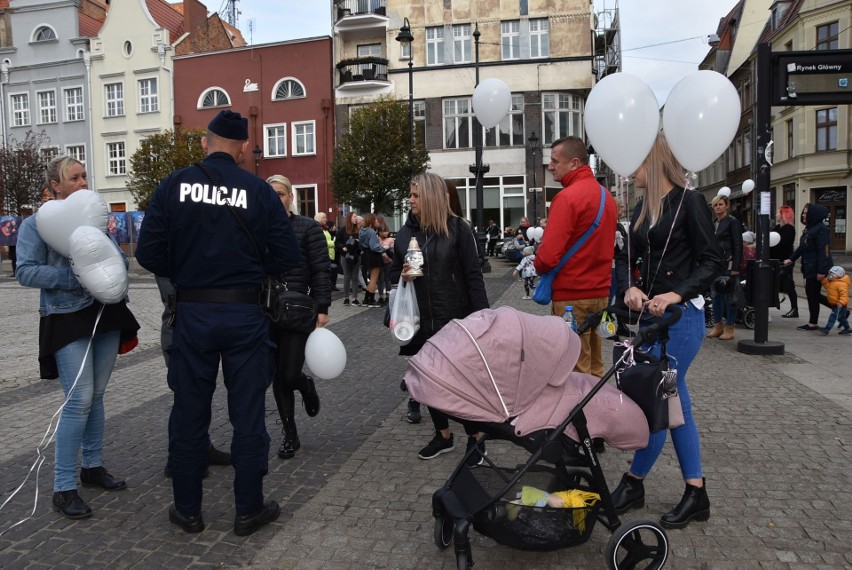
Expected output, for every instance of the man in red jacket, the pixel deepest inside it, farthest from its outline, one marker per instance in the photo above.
(584, 281)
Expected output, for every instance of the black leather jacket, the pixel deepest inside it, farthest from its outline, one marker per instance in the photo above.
(692, 258)
(729, 232)
(313, 274)
(451, 286)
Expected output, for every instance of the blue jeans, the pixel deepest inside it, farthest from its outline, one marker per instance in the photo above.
(82, 419)
(840, 315)
(685, 338)
(722, 309)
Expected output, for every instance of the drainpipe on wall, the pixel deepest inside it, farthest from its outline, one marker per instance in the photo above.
(4, 80)
(90, 159)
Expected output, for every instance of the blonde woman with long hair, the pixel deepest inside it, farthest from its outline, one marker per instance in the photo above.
(673, 234)
(451, 285)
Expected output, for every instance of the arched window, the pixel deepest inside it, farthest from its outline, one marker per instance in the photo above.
(214, 97)
(44, 34)
(288, 88)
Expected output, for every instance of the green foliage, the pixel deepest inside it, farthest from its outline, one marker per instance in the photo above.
(157, 157)
(371, 160)
(22, 173)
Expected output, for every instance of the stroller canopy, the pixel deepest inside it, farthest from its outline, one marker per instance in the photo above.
(502, 364)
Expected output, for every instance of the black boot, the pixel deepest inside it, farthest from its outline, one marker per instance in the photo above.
(71, 505)
(693, 505)
(99, 477)
(630, 494)
(310, 398)
(291, 439)
(370, 300)
(791, 314)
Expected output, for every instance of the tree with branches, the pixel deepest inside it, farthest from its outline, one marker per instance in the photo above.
(22, 166)
(371, 168)
(157, 157)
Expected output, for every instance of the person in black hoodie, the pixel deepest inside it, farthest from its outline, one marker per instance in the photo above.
(729, 234)
(786, 228)
(816, 258)
(311, 276)
(451, 286)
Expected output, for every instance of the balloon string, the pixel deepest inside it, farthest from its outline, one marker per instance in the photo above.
(49, 435)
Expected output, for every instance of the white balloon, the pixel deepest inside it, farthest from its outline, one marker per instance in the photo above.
(700, 118)
(622, 119)
(748, 186)
(724, 191)
(325, 355)
(492, 101)
(57, 219)
(98, 264)
(774, 239)
(535, 233)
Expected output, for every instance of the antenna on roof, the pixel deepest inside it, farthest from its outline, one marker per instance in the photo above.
(251, 31)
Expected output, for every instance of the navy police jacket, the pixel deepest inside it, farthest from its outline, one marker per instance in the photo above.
(189, 236)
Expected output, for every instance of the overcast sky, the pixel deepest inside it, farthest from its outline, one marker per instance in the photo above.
(682, 26)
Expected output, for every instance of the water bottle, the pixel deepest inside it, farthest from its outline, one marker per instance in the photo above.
(568, 317)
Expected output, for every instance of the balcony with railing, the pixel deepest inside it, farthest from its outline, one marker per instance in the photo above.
(362, 73)
(359, 17)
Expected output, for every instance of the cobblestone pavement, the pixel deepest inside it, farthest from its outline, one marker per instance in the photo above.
(775, 434)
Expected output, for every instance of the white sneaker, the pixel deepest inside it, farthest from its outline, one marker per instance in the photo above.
(526, 297)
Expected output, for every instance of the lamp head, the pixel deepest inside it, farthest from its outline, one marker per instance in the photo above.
(405, 36)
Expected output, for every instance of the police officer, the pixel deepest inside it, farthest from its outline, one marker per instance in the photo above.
(191, 236)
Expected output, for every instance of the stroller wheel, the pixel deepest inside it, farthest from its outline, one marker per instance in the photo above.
(637, 544)
(443, 532)
(749, 317)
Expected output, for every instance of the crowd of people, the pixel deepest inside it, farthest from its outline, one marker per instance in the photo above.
(669, 254)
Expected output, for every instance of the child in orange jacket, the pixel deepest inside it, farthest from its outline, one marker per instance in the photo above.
(837, 291)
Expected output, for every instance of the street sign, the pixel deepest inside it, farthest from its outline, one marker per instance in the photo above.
(811, 77)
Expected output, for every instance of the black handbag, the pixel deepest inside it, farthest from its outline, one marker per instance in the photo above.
(289, 311)
(648, 381)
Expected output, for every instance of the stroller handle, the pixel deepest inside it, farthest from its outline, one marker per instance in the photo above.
(645, 334)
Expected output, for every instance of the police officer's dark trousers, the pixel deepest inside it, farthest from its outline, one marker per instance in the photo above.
(239, 335)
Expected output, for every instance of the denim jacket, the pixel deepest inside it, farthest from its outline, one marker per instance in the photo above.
(42, 267)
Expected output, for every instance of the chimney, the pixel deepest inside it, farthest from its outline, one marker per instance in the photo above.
(194, 18)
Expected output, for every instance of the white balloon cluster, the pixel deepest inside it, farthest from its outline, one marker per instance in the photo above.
(76, 228)
(700, 120)
(535, 233)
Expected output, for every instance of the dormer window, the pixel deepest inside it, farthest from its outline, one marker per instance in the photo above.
(44, 34)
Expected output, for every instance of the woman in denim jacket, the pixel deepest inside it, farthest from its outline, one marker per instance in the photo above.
(68, 314)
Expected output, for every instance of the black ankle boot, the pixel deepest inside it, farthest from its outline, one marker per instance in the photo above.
(694, 505)
(291, 439)
(310, 398)
(791, 314)
(630, 494)
(70, 505)
(99, 477)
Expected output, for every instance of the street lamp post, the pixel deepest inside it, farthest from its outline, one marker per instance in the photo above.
(535, 146)
(258, 154)
(406, 39)
(479, 170)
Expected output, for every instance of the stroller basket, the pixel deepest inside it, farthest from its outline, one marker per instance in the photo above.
(529, 527)
(536, 528)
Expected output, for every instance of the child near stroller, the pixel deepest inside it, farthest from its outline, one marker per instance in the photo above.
(521, 388)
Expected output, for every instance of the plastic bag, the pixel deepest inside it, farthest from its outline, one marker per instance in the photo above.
(404, 313)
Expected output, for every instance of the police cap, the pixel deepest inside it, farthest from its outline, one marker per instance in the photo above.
(229, 125)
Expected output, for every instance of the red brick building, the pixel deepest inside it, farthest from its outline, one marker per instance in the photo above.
(285, 90)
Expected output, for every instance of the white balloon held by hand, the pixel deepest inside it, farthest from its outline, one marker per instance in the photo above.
(622, 119)
(325, 355)
(492, 101)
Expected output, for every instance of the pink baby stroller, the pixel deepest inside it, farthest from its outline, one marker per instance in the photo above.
(509, 374)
